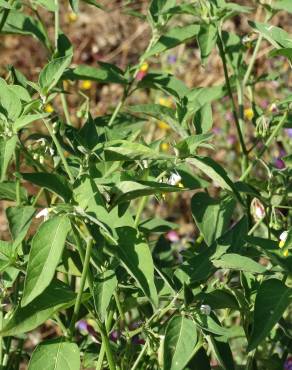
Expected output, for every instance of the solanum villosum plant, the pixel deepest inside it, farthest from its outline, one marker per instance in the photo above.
(89, 257)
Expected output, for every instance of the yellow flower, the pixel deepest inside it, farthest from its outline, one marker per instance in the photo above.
(166, 102)
(163, 125)
(164, 147)
(86, 85)
(49, 108)
(144, 67)
(285, 253)
(72, 17)
(248, 114)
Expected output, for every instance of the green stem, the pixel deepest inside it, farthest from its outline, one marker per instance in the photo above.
(59, 149)
(141, 206)
(17, 180)
(108, 325)
(141, 354)
(65, 109)
(255, 226)
(267, 144)
(57, 23)
(229, 90)
(82, 284)
(116, 111)
(108, 350)
(252, 61)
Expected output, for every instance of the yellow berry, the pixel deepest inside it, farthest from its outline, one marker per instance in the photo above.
(166, 102)
(285, 253)
(49, 108)
(163, 125)
(72, 17)
(144, 67)
(180, 185)
(248, 114)
(164, 147)
(86, 85)
(281, 243)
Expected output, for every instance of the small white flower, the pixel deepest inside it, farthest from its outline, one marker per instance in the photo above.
(283, 236)
(174, 179)
(43, 213)
(205, 309)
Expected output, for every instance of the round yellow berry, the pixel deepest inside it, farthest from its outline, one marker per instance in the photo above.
(164, 147)
(281, 243)
(248, 114)
(144, 67)
(72, 17)
(163, 125)
(86, 85)
(49, 108)
(285, 253)
(166, 102)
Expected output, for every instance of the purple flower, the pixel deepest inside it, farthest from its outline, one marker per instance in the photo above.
(279, 163)
(229, 116)
(216, 130)
(137, 340)
(231, 139)
(171, 59)
(264, 104)
(289, 131)
(288, 364)
(172, 236)
(114, 335)
(82, 325)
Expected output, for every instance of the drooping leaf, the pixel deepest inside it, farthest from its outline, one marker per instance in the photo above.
(278, 37)
(207, 39)
(19, 219)
(9, 101)
(272, 299)
(55, 354)
(54, 298)
(54, 182)
(7, 147)
(25, 120)
(104, 287)
(8, 191)
(46, 251)
(203, 119)
(212, 216)
(179, 343)
(136, 257)
(52, 72)
(172, 38)
(237, 262)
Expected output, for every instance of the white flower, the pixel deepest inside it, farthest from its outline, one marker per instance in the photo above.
(43, 213)
(174, 179)
(283, 236)
(205, 309)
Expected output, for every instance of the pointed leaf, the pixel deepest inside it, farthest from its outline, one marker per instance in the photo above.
(104, 287)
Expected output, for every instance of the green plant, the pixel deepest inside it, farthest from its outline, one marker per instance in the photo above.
(95, 264)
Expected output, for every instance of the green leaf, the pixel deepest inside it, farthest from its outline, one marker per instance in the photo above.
(275, 35)
(105, 73)
(201, 96)
(19, 23)
(9, 100)
(25, 120)
(157, 225)
(188, 146)
(207, 39)
(179, 343)
(55, 354)
(203, 119)
(137, 259)
(285, 52)
(272, 299)
(123, 150)
(7, 147)
(172, 38)
(47, 4)
(104, 287)
(55, 183)
(282, 5)
(45, 253)
(212, 216)
(19, 219)
(8, 191)
(237, 262)
(157, 7)
(52, 73)
(128, 190)
(222, 352)
(213, 170)
(56, 297)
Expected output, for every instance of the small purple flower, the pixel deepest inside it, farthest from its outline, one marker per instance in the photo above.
(279, 163)
(82, 325)
(172, 236)
(289, 131)
(216, 130)
(282, 153)
(264, 104)
(288, 364)
(137, 340)
(229, 116)
(231, 139)
(171, 59)
(114, 335)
